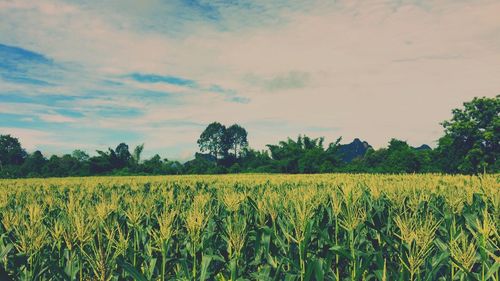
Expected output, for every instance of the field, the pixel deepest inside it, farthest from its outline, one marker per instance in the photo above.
(251, 227)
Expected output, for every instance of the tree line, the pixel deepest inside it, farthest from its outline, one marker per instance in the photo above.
(470, 145)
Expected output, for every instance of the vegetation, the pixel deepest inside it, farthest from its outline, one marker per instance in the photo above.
(251, 227)
(471, 145)
(472, 137)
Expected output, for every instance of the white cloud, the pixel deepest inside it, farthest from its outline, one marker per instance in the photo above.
(29, 138)
(56, 118)
(373, 70)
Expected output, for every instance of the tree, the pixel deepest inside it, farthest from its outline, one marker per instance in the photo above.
(122, 152)
(401, 158)
(123, 156)
(256, 161)
(153, 165)
(102, 163)
(286, 155)
(212, 140)
(11, 152)
(137, 153)
(306, 155)
(236, 139)
(34, 164)
(64, 166)
(398, 157)
(202, 164)
(80, 155)
(471, 143)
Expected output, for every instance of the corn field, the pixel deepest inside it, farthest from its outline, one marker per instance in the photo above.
(251, 227)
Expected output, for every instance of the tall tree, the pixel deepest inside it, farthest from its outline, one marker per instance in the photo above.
(236, 139)
(123, 155)
(103, 162)
(34, 164)
(471, 143)
(212, 140)
(401, 158)
(137, 153)
(122, 152)
(306, 155)
(80, 155)
(11, 152)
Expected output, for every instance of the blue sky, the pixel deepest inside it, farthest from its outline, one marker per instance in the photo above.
(91, 74)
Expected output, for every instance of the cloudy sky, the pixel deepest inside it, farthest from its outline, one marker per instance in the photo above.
(91, 74)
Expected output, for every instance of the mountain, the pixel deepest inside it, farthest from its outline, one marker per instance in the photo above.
(356, 148)
(423, 147)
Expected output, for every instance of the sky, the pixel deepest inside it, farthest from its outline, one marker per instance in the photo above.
(92, 74)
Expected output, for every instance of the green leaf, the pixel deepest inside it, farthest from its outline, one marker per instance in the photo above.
(40, 273)
(436, 266)
(5, 251)
(131, 270)
(318, 270)
(278, 272)
(379, 274)
(341, 251)
(493, 269)
(205, 263)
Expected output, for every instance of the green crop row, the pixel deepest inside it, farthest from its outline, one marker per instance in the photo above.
(251, 227)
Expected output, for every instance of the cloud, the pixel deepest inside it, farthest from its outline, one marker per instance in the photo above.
(238, 99)
(12, 56)
(29, 138)
(289, 81)
(18, 65)
(56, 118)
(153, 78)
(373, 70)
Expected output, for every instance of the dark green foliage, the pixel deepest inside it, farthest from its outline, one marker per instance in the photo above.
(399, 157)
(33, 166)
(11, 152)
(212, 140)
(305, 155)
(235, 140)
(225, 145)
(471, 143)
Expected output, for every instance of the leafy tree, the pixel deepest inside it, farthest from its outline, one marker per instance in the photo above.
(34, 164)
(306, 155)
(398, 157)
(401, 158)
(373, 160)
(153, 165)
(201, 164)
(80, 155)
(122, 154)
(236, 139)
(116, 159)
(256, 161)
(11, 152)
(471, 143)
(212, 140)
(63, 166)
(173, 167)
(137, 153)
(103, 162)
(286, 155)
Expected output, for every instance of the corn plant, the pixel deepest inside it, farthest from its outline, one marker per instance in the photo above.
(251, 227)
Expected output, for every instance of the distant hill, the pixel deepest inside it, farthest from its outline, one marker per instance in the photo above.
(356, 148)
(423, 147)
